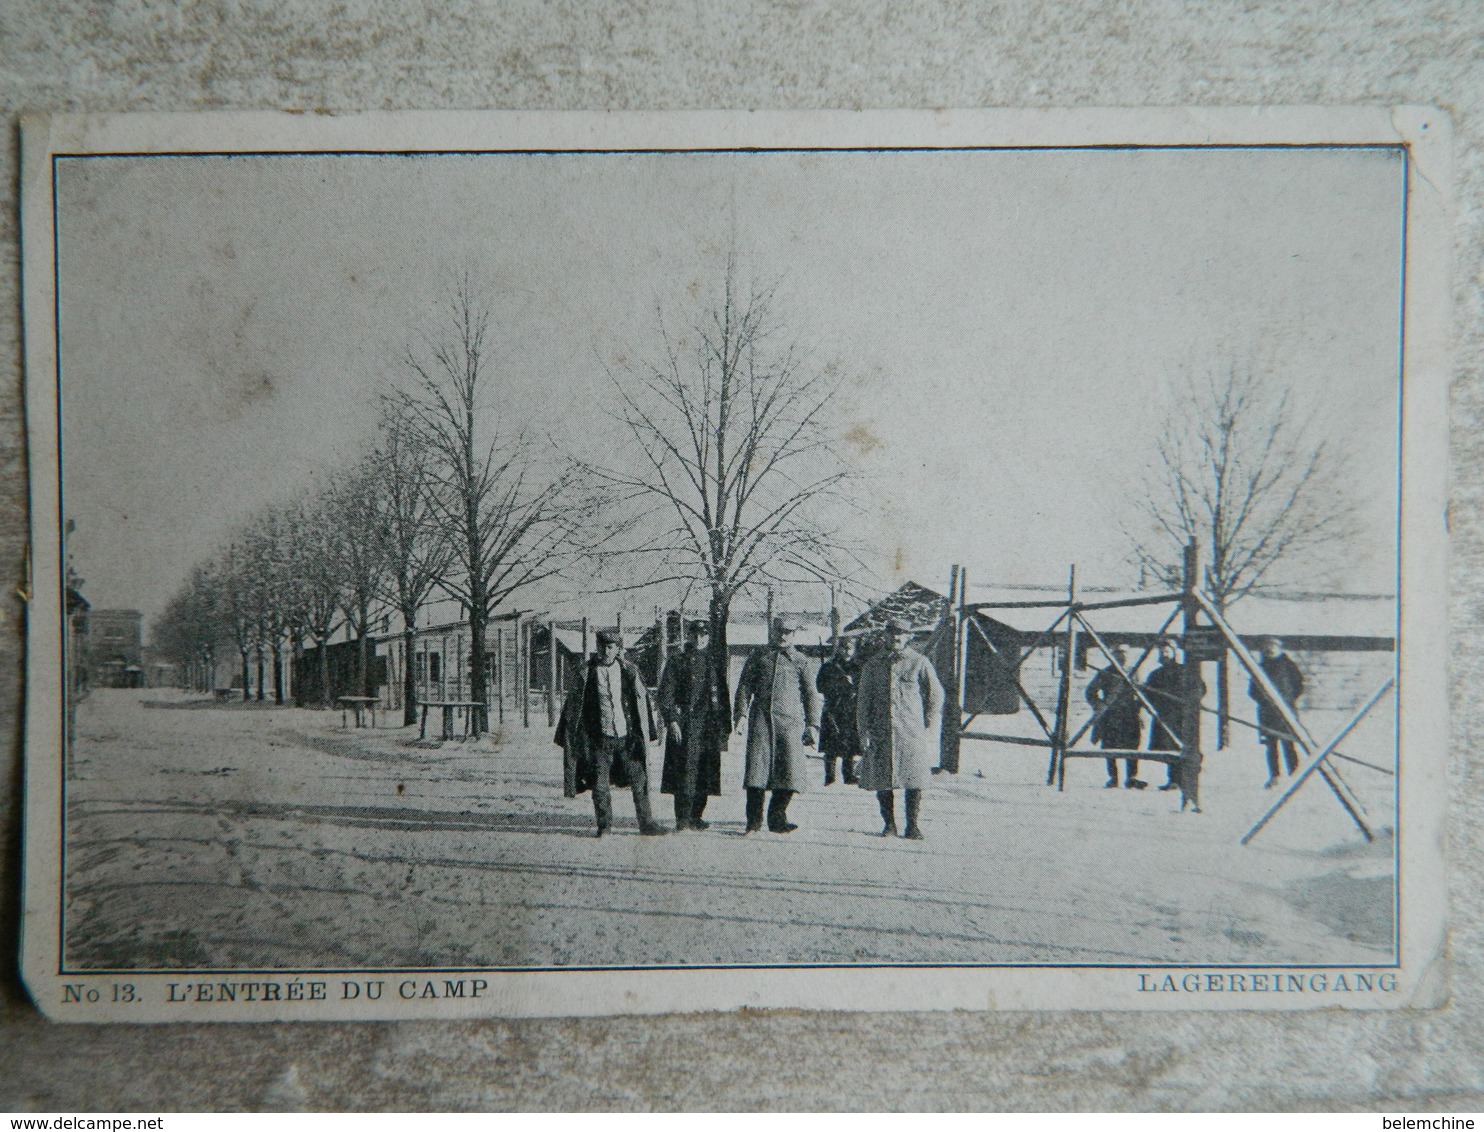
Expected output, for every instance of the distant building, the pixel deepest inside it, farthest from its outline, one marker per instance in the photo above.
(114, 648)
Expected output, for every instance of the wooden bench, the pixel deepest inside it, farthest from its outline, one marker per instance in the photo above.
(449, 707)
(361, 705)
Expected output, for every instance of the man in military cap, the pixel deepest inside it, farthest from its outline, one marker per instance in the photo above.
(615, 715)
(1286, 677)
(694, 709)
(777, 697)
(899, 716)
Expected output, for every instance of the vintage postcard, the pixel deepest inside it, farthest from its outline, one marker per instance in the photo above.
(512, 564)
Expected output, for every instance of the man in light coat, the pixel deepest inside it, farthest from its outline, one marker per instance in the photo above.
(899, 716)
(777, 698)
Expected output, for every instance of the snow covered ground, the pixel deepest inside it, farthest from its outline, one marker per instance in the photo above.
(207, 836)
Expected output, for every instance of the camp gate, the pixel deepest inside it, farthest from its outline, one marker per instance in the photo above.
(1204, 632)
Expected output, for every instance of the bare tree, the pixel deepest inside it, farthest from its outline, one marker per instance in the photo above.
(319, 581)
(353, 509)
(515, 515)
(418, 554)
(1240, 471)
(733, 455)
(189, 629)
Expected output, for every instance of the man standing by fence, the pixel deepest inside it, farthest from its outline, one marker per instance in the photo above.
(777, 697)
(900, 720)
(1118, 726)
(1279, 668)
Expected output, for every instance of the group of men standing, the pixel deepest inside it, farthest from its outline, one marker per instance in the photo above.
(1118, 711)
(881, 720)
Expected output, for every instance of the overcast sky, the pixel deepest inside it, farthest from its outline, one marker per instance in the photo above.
(1014, 324)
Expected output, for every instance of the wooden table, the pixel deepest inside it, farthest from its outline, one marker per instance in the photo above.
(360, 705)
(449, 707)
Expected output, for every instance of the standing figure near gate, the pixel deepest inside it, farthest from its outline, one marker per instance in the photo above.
(899, 716)
(837, 683)
(696, 727)
(777, 698)
(1273, 728)
(1163, 689)
(1119, 726)
(615, 714)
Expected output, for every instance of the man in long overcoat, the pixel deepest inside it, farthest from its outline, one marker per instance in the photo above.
(613, 713)
(899, 716)
(1286, 677)
(1119, 726)
(777, 697)
(694, 709)
(1165, 692)
(837, 683)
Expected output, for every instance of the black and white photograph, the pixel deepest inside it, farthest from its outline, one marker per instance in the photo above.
(581, 565)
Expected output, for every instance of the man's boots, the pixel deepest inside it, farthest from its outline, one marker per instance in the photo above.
(778, 812)
(829, 770)
(914, 802)
(887, 801)
(754, 810)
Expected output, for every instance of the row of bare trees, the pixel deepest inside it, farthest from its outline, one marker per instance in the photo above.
(438, 503)
(724, 478)
(725, 483)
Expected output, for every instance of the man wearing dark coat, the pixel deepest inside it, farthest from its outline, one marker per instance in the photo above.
(838, 738)
(1273, 728)
(1119, 726)
(777, 697)
(694, 709)
(1164, 691)
(612, 711)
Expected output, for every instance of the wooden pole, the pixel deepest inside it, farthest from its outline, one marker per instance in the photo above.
(525, 672)
(770, 613)
(953, 718)
(1064, 700)
(662, 639)
(1190, 687)
(551, 673)
(834, 616)
(500, 668)
(618, 624)
(584, 641)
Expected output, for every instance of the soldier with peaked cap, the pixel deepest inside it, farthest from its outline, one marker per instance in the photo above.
(837, 682)
(1119, 726)
(612, 708)
(694, 710)
(899, 716)
(777, 697)
(1272, 727)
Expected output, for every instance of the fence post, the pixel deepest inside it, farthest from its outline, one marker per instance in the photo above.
(1190, 688)
(551, 673)
(953, 719)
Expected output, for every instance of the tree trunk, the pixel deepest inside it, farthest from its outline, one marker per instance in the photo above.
(278, 672)
(246, 675)
(478, 622)
(720, 614)
(323, 645)
(1223, 701)
(262, 694)
(409, 674)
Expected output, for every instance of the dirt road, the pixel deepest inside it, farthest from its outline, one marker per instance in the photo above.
(211, 836)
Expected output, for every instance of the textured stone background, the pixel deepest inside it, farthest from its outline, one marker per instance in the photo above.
(267, 54)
